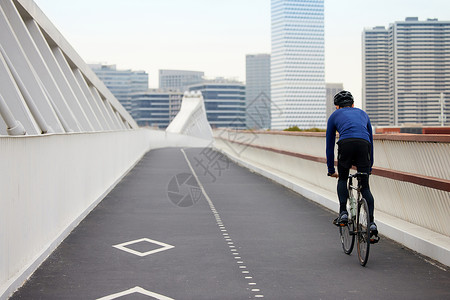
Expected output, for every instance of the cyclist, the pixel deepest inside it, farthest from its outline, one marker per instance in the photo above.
(355, 147)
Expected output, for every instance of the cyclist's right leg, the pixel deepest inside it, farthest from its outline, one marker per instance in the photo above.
(365, 191)
(362, 162)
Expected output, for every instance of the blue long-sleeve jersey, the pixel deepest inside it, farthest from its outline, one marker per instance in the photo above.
(351, 123)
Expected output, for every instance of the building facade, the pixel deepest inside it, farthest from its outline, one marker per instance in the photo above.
(179, 80)
(332, 89)
(121, 83)
(406, 72)
(257, 91)
(224, 102)
(155, 107)
(298, 64)
(377, 101)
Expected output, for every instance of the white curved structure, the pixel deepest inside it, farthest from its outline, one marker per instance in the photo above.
(192, 120)
(44, 84)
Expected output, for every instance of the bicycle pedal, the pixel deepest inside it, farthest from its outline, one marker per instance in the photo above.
(374, 239)
(338, 224)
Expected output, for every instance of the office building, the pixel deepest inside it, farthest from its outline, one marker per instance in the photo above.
(298, 64)
(332, 89)
(224, 102)
(376, 94)
(406, 72)
(121, 83)
(179, 80)
(155, 107)
(257, 91)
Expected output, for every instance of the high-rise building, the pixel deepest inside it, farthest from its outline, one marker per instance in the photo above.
(298, 64)
(376, 94)
(257, 91)
(332, 89)
(155, 107)
(121, 83)
(224, 102)
(179, 79)
(406, 72)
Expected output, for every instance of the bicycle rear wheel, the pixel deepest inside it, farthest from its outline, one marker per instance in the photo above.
(348, 236)
(363, 238)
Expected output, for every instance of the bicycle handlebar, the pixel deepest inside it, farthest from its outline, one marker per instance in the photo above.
(358, 174)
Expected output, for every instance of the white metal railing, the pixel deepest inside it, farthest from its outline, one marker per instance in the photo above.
(410, 182)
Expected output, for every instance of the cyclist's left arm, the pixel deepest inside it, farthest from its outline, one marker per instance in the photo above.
(330, 141)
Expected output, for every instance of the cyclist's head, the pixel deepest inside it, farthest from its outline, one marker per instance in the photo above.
(343, 99)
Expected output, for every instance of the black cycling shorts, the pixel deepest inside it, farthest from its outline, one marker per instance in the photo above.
(354, 152)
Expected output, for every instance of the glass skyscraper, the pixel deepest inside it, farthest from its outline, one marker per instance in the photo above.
(298, 64)
(155, 107)
(332, 89)
(179, 79)
(121, 83)
(224, 102)
(257, 91)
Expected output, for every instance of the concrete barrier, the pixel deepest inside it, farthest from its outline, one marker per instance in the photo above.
(410, 180)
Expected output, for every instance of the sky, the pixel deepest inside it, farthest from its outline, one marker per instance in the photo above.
(214, 36)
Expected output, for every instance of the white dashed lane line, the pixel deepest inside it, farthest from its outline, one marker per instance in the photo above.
(239, 261)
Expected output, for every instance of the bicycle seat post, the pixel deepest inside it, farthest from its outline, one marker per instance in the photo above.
(359, 182)
(359, 176)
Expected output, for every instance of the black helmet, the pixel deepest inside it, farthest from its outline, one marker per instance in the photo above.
(343, 98)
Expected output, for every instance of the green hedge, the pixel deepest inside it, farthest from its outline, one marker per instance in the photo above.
(295, 128)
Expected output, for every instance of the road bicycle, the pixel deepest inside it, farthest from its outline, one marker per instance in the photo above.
(358, 222)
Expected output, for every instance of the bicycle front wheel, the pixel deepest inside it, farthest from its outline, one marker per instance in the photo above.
(363, 232)
(348, 236)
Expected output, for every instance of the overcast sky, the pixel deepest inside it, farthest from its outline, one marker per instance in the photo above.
(215, 35)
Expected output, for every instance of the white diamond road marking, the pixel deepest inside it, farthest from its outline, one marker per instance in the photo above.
(137, 290)
(123, 247)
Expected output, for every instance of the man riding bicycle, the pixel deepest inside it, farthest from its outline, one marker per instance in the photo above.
(355, 147)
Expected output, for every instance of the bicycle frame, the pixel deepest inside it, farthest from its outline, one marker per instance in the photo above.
(357, 199)
(351, 199)
(358, 221)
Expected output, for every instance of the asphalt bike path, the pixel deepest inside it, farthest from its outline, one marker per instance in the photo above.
(190, 224)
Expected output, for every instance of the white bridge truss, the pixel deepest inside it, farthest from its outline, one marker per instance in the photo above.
(45, 87)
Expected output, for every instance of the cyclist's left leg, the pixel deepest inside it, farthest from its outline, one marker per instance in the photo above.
(345, 154)
(342, 189)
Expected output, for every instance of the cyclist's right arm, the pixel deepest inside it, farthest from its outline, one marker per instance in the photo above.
(369, 129)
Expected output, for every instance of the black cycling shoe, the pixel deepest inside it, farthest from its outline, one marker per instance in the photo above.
(374, 238)
(342, 220)
(373, 229)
